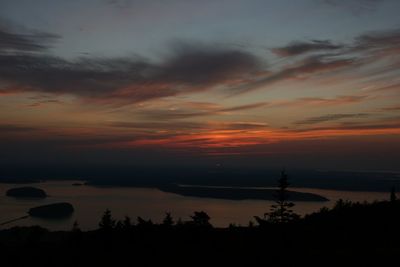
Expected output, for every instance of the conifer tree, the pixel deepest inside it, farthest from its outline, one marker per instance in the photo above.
(393, 196)
(168, 220)
(107, 222)
(281, 211)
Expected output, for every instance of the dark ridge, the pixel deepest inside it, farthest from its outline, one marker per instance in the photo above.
(349, 234)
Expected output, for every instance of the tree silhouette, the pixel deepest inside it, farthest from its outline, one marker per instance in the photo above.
(168, 220)
(127, 223)
(393, 196)
(75, 227)
(201, 219)
(144, 223)
(281, 211)
(76, 234)
(179, 223)
(107, 222)
(119, 225)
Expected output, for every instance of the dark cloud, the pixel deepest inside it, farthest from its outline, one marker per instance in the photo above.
(171, 114)
(378, 39)
(373, 43)
(244, 125)
(13, 128)
(352, 126)
(310, 66)
(366, 49)
(332, 117)
(85, 77)
(356, 7)
(28, 42)
(202, 65)
(381, 43)
(299, 48)
(45, 102)
(191, 67)
(245, 107)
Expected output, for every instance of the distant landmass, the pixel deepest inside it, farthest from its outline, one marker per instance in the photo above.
(142, 176)
(27, 191)
(238, 193)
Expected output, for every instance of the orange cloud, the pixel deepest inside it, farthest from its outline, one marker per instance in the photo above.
(244, 138)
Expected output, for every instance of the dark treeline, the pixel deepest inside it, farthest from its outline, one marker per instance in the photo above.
(354, 234)
(349, 234)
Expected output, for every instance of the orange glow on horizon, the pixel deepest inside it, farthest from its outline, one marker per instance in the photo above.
(241, 138)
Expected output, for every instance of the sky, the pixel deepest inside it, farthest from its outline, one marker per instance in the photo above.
(304, 84)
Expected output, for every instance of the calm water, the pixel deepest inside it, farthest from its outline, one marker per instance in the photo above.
(90, 203)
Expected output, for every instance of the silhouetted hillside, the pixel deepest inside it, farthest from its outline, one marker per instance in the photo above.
(350, 234)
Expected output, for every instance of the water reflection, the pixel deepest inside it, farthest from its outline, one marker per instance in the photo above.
(90, 202)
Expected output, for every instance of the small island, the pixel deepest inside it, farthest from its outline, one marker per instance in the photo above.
(52, 211)
(26, 192)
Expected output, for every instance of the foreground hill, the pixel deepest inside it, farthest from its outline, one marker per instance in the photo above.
(347, 235)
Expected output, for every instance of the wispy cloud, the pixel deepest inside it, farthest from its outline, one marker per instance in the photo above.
(306, 68)
(186, 125)
(375, 53)
(195, 109)
(245, 107)
(332, 117)
(391, 108)
(320, 101)
(13, 128)
(299, 48)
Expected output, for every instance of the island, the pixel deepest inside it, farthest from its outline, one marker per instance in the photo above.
(238, 193)
(26, 192)
(52, 211)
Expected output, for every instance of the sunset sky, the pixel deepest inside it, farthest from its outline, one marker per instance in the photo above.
(305, 84)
